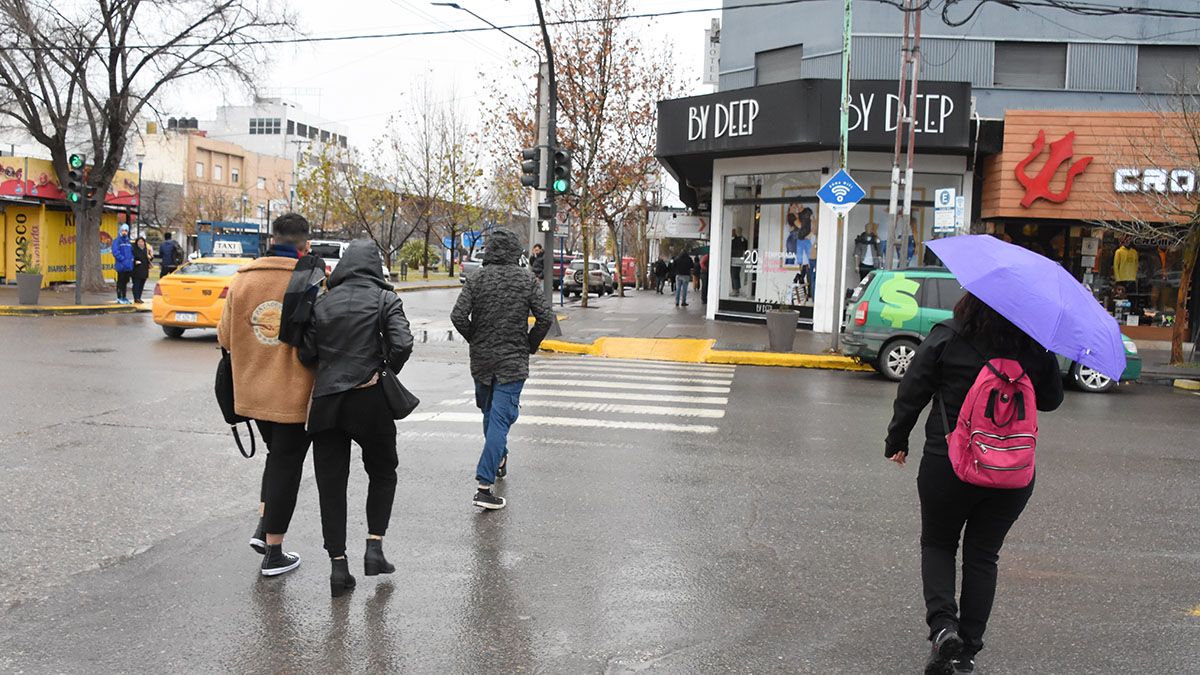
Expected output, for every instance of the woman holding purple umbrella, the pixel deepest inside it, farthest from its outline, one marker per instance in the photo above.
(946, 366)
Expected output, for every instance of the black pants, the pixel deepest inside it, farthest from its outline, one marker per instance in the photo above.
(287, 445)
(166, 269)
(139, 285)
(364, 418)
(947, 505)
(123, 283)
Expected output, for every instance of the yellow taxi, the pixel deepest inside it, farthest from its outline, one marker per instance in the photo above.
(194, 295)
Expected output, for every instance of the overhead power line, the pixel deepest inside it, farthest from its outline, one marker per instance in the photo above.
(1071, 6)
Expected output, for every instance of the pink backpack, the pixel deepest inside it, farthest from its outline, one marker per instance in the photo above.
(994, 442)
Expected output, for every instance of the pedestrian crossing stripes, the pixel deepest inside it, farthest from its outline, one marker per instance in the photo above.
(540, 420)
(589, 393)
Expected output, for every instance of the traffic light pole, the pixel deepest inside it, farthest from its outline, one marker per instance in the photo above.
(548, 171)
(76, 212)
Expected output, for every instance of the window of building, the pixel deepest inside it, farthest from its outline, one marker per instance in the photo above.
(262, 212)
(341, 141)
(291, 127)
(1030, 65)
(313, 132)
(262, 126)
(778, 65)
(218, 172)
(302, 130)
(199, 169)
(234, 175)
(324, 136)
(262, 183)
(1167, 69)
(279, 186)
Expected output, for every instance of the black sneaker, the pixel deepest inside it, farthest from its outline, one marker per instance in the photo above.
(258, 541)
(276, 562)
(947, 645)
(502, 470)
(964, 664)
(484, 499)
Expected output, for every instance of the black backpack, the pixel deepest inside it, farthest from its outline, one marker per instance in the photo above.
(224, 391)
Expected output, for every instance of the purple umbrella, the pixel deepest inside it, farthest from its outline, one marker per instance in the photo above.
(1039, 297)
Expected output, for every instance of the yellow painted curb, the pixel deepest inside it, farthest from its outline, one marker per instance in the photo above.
(67, 310)
(429, 287)
(821, 361)
(697, 351)
(1187, 385)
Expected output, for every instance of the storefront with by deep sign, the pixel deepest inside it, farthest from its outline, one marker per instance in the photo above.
(1104, 194)
(752, 160)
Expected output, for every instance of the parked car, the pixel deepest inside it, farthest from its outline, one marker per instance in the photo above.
(892, 311)
(561, 262)
(628, 271)
(599, 280)
(193, 296)
(331, 252)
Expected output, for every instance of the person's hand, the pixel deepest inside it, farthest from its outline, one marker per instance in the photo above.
(899, 458)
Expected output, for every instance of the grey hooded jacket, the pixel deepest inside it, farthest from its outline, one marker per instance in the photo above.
(492, 313)
(343, 338)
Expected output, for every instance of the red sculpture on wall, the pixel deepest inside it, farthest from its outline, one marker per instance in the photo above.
(1038, 187)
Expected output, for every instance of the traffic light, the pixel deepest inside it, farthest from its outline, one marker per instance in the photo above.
(75, 178)
(561, 178)
(531, 167)
(545, 212)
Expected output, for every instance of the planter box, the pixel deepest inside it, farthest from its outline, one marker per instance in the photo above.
(781, 329)
(29, 287)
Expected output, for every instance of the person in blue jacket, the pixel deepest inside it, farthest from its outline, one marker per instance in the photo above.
(122, 252)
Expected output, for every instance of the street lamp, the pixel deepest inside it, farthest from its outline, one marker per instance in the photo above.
(455, 5)
(141, 157)
(245, 200)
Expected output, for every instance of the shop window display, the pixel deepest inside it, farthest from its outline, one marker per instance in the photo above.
(771, 226)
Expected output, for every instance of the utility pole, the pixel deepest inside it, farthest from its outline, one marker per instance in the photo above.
(895, 256)
(548, 169)
(839, 274)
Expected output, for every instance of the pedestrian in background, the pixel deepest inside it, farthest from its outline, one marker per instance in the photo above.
(671, 274)
(660, 273)
(682, 267)
(946, 366)
(704, 278)
(358, 328)
(271, 385)
(169, 255)
(492, 314)
(122, 252)
(537, 263)
(141, 268)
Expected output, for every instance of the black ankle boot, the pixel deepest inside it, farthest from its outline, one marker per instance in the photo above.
(374, 562)
(340, 580)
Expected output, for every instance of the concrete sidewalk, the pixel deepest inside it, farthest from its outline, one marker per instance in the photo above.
(59, 300)
(647, 326)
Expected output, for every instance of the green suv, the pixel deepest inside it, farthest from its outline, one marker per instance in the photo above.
(891, 312)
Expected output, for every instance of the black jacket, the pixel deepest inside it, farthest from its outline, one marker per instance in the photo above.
(537, 264)
(492, 313)
(660, 268)
(947, 364)
(141, 262)
(343, 338)
(683, 265)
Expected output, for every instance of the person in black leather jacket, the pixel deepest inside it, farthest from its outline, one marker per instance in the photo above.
(946, 366)
(356, 327)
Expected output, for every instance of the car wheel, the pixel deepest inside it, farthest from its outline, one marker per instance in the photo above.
(1091, 381)
(173, 331)
(895, 359)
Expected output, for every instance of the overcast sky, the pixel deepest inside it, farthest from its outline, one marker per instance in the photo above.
(360, 83)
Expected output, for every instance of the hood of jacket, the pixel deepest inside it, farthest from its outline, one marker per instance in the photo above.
(361, 261)
(503, 248)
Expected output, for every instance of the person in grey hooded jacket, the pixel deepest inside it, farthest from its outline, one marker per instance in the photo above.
(357, 329)
(492, 314)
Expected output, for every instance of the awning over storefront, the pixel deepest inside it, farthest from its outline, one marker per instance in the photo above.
(800, 116)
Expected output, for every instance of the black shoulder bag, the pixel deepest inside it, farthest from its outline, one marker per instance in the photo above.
(400, 400)
(224, 391)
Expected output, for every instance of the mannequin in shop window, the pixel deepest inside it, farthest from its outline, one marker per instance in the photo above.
(868, 250)
(1125, 267)
(737, 249)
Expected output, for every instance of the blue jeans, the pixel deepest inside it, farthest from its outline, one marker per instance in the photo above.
(681, 285)
(500, 404)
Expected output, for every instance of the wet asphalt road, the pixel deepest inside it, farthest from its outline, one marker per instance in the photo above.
(775, 539)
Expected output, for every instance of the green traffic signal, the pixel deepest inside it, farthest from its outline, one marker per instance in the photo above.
(73, 196)
(75, 161)
(560, 186)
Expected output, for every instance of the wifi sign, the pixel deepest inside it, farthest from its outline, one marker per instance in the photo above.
(840, 192)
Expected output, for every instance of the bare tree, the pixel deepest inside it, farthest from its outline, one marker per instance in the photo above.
(1164, 214)
(414, 140)
(79, 78)
(609, 84)
(465, 206)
